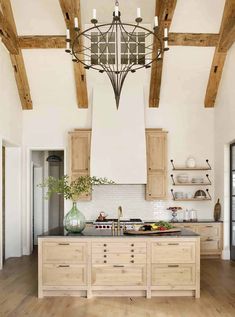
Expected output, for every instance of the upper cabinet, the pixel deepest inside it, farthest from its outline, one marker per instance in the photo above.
(156, 144)
(79, 146)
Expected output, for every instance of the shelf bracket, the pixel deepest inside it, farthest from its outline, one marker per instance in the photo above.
(173, 195)
(173, 181)
(207, 162)
(209, 181)
(172, 163)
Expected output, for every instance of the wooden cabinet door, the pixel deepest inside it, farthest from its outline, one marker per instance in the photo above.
(80, 144)
(156, 142)
(156, 151)
(156, 186)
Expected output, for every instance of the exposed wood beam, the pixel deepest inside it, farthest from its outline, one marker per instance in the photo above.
(193, 39)
(42, 41)
(58, 41)
(8, 35)
(71, 9)
(18, 61)
(164, 10)
(219, 57)
(228, 33)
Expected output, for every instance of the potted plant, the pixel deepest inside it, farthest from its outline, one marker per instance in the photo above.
(74, 221)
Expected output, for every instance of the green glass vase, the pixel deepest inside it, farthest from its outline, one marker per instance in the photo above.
(74, 221)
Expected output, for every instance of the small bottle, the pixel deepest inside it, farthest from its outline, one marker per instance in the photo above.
(186, 215)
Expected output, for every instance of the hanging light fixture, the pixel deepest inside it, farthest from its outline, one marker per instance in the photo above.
(117, 48)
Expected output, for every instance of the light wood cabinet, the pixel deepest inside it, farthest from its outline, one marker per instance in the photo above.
(79, 148)
(173, 274)
(119, 266)
(211, 236)
(63, 275)
(119, 275)
(173, 252)
(156, 144)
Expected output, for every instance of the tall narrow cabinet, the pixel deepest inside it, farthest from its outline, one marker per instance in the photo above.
(79, 158)
(156, 143)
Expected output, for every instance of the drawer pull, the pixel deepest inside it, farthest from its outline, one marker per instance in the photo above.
(105, 250)
(105, 245)
(105, 261)
(63, 265)
(118, 266)
(132, 255)
(209, 226)
(132, 250)
(105, 256)
(132, 261)
(172, 243)
(209, 239)
(132, 244)
(64, 243)
(173, 265)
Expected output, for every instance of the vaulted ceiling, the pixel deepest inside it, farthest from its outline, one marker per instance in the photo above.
(28, 24)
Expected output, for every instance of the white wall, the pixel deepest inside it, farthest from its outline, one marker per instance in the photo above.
(224, 135)
(10, 124)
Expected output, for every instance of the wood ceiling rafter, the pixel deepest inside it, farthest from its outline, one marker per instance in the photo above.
(226, 39)
(175, 39)
(165, 11)
(70, 10)
(17, 58)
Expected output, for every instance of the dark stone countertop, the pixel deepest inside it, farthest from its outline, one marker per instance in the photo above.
(101, 233)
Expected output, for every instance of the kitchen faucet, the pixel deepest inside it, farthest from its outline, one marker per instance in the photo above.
(120, 214)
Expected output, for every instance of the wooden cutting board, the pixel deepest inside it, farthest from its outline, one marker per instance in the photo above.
(151, 231)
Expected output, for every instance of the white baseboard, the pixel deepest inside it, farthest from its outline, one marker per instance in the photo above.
(225, 255)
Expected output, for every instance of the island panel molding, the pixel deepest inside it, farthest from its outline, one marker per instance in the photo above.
(156, 146)
(119, 266)
(79, 155)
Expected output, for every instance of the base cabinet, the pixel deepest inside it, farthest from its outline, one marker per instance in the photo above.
(211, 234)
(119, 266)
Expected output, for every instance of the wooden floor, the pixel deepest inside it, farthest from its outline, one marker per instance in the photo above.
(18, 296)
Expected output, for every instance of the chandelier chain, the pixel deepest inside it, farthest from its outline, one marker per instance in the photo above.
(116, 3)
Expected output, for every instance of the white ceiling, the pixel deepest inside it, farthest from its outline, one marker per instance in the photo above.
(45, 17)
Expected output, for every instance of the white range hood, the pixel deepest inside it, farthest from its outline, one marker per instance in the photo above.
(118, 146)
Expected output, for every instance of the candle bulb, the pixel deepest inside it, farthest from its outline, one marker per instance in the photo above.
(68, 46)
(165, 32)
(116, 11)
(67, 34)
(165, 44)
(76, 23)
(155, 21)
(94, 14)
(138, 13)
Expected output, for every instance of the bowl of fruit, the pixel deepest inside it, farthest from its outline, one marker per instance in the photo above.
(152, 228)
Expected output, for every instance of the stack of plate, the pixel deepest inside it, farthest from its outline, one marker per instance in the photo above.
(197, 180)
(182, 178)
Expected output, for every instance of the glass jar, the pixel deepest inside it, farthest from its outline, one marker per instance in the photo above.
(74, 221)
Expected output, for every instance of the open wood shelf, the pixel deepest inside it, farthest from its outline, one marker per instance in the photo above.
(191, 184)
(191, 199)
(185, 168)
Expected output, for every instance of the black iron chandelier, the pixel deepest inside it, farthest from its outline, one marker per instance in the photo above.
(117, 48)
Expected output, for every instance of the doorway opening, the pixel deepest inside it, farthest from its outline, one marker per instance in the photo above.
(46, 213)
(232, 201)
(3, 204)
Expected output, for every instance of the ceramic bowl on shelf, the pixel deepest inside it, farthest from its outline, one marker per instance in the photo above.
(182, 178)
(190, 162)
(179, 195)
(198, 180)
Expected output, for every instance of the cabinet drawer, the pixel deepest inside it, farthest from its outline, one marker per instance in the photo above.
(114, 247)
(173, 274)
(63, 275)
(114, 275)
(173, 252)
(64, 252)
(209, 231)
(117, 258)
(210, 245)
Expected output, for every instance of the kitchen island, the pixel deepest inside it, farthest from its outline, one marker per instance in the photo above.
(104, 263)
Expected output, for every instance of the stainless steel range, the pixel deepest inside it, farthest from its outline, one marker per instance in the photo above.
(107, 224)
